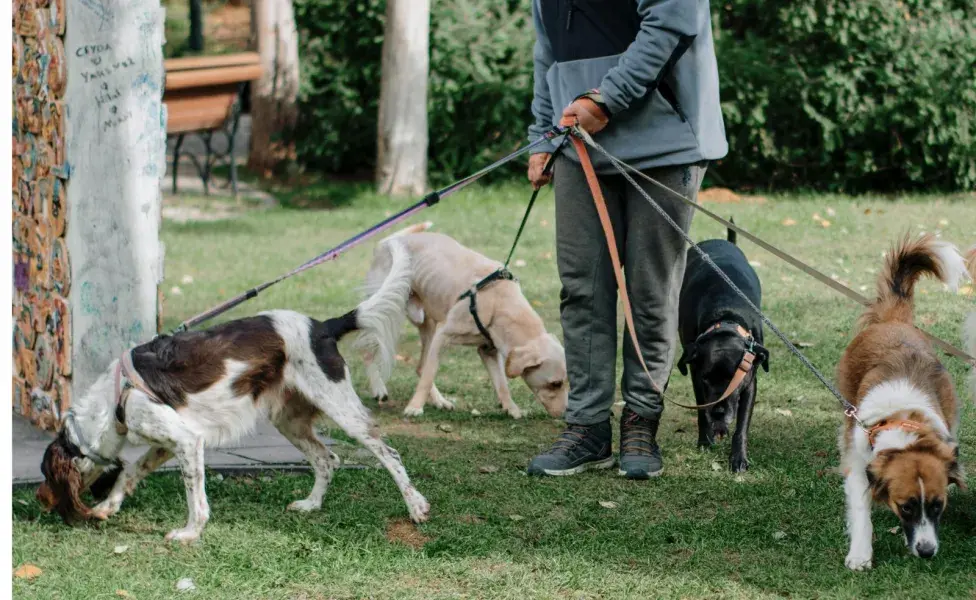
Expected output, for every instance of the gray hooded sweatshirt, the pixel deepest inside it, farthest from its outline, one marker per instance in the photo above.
(654, 64)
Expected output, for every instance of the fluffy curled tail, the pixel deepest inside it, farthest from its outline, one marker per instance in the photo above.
(380, 317)
(905, 264)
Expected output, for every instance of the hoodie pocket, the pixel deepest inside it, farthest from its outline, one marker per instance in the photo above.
(667, 92)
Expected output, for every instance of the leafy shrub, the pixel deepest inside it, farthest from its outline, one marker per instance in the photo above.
(874, 94)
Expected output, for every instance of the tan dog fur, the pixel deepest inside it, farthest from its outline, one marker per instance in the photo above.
(443, 269)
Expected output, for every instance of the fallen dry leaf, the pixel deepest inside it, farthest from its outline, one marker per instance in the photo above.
(516, 517)
(820, 454)
(789, 222)
(779, 535)
(536, 303)
(831, 212)
(187, 279)
(804, 344)
(825, 223)
(445, 428)
(894, 530)
(176, 291)
(123, 594)
(716, 466)
(120, 549)
(520, 263)
(755, 264)
(27, 571)
(488, 469)
(608, 504)
(785, 412)
(943, 222)
(475, 412)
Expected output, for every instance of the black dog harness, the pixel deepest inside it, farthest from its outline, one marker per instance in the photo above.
(502, 274)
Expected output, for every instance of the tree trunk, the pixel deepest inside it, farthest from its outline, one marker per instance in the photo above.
(401, 158)
(196, 26)
(274, 97)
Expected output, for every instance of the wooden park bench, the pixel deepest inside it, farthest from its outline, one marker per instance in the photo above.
(203, 97)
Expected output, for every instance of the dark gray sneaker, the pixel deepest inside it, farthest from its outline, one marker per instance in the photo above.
(579, 448)
(640, 457)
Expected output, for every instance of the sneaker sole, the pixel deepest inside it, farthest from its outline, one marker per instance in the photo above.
(600, 464)
(641, 476)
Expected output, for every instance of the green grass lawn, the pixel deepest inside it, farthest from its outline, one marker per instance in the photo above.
(698, 532)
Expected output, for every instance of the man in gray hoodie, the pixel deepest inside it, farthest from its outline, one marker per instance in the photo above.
(641, 77)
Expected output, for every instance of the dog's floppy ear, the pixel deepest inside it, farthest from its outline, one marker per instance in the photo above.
(521, 359)
(878, 486)
(956, 474)
(689, 355)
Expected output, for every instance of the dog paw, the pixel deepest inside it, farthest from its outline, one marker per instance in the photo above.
(514, 412)
(413, 411)
(305, 505)
(858, 561)
(739, 464)
(183, 536)
(103, 510)
(443, 403)
(418, 506)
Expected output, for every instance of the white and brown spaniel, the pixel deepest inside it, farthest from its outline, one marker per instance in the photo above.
(178, 394)
(907, 455)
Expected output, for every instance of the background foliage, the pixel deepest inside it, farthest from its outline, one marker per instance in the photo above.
(875, 94)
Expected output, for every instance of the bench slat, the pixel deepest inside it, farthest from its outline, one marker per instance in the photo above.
(173, 65)
(206, 77)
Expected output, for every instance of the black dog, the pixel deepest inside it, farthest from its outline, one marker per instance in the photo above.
(721, 338)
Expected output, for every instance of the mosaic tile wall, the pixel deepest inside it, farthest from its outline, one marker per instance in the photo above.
(42, 319)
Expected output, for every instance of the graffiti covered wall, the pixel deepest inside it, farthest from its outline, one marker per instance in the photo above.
(89, 151)
(116, 147)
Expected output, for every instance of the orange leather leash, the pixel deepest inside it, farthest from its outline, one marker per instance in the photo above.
(618, 272)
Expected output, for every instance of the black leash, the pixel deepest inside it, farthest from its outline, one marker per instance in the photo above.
(502, 273)
(429, 200)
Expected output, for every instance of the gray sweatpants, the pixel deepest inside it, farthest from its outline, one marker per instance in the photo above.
(653, 255)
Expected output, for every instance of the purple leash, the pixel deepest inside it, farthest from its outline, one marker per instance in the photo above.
(428, 201)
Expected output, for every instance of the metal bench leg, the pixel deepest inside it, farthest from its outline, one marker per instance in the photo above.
(176, 159)
(207, 164)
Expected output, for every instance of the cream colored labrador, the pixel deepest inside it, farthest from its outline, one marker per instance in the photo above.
(442, 270)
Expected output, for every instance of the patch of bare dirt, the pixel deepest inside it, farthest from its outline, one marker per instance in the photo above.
(420, 430)
(403, 531)
(720, 195)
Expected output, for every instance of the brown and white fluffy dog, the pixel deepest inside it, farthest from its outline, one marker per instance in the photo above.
(908, 456)
(520, 346)
(209, 387)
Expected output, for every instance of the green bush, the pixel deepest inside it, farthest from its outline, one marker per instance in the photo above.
(874, 94)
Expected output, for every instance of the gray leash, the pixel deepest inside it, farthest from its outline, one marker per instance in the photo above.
(849, 409)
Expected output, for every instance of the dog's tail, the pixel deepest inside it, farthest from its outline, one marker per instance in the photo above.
(730, 235)
(907, 261)
(378, 318)
(415, 228)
